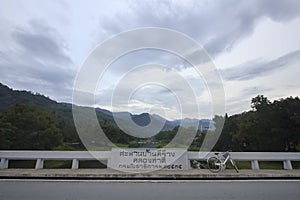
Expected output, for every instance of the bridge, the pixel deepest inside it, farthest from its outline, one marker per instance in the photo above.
(76, 156)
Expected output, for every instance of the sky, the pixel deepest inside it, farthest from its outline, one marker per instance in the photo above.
(254, 46)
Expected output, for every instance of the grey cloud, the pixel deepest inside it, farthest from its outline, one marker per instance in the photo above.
(51, 80)
(218, 25)
(37, 61)
(134, 59)
(256, 68)
(164, 88)
(242, 101)
(249, 92)
(41, 42)
(280, 10)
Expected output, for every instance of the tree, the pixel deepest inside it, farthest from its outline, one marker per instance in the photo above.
(6, 133)
(259, 102)
(269, 126)
(27, 127)
(225, 141)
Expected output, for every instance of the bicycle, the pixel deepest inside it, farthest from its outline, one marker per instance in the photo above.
(196, 164)
(218, 162)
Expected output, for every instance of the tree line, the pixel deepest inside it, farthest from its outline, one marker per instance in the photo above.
(26, 127)
(268, 126)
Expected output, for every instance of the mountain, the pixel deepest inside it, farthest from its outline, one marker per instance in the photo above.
(143, 119)
(202, 124)
(9, 97)
(104, 111)
(63, 111)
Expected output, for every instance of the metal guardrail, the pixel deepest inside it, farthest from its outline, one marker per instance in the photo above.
(77, 156)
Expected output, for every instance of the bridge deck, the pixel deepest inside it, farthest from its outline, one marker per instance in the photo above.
(162, 174)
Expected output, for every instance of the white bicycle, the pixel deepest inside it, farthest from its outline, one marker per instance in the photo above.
(218, 162)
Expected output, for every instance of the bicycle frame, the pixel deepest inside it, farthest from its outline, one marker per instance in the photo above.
(224, 157)
(219, 161)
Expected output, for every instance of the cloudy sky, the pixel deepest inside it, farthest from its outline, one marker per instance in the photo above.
(254, 45)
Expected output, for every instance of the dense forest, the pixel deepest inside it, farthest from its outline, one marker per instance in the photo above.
(34, 122)
(269, 126)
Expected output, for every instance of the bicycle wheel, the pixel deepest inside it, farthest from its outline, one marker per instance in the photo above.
(214, 164)
(234, 165)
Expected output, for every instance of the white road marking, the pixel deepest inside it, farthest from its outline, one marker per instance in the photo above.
(149, 181)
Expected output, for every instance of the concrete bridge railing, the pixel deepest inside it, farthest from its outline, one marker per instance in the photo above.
(41, 156)
(256, 157)
(77, 156)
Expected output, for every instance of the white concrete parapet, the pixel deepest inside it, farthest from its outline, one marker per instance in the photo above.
(254, 157)
(4, 163)
(41, 156)
(77, 156)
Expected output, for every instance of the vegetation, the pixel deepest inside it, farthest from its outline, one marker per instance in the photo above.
(26, 127)
(34, 122)
(269, 126)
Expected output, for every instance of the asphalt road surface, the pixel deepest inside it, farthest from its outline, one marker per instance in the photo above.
(143, 190)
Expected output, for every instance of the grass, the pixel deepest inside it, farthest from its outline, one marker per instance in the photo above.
(240, 165)
(121, 145)
(270, 165)
(57, 164)
(262, 165)
(91, 164)
(21, 164)
(296, 164)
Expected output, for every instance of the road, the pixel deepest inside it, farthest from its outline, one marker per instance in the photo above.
(158, 190)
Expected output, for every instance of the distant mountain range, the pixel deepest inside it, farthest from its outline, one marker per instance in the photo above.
(10, 97)
(145, 118)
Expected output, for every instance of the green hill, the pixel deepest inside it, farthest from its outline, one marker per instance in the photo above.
(63, 111)
(16, 109)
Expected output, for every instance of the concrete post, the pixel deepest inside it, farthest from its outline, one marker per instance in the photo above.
(254, 164)
(39, 164)
(4, 163)
(75, 164)
(287, 165)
